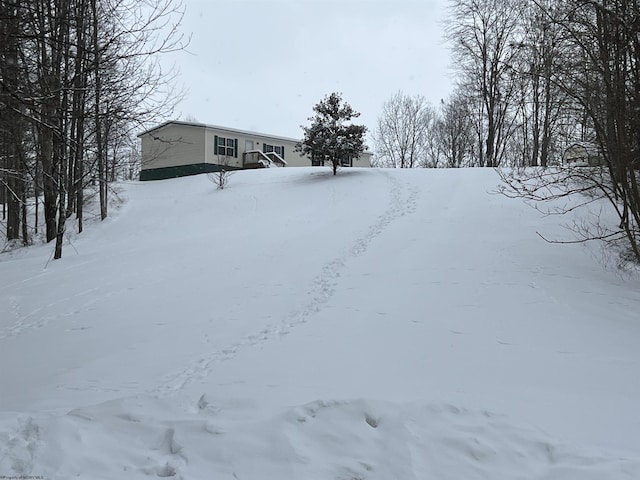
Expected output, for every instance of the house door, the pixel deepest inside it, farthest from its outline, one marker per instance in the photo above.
(248, 145)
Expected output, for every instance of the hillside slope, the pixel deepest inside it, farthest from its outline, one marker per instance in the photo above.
(378, 324)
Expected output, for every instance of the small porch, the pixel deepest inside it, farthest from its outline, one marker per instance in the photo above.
(259, 159)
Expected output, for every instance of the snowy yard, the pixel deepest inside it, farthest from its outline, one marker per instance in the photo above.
(377, 325)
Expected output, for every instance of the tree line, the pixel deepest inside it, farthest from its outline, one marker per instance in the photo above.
(78, 78)
(532, 77)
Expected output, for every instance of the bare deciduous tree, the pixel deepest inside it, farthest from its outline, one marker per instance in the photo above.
(603, 80)
(482, 35)
(78, 78)
(403, 132)
(454, 132)
(222, 176)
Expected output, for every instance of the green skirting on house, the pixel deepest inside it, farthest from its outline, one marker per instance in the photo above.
(181, 171)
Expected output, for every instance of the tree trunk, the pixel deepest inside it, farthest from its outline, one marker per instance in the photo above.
(11, 124)
(100, 148)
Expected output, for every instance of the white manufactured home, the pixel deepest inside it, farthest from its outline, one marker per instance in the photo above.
(176, 149)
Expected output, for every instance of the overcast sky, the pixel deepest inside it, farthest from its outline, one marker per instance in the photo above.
(263, 64)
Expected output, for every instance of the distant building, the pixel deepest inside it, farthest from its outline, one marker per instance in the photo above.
(176, 149)
(582, 155)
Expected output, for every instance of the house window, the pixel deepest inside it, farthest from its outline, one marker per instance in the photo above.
(279, 149)
(226, 147)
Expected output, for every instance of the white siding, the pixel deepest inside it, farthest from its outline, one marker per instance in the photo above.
(181, 143)
(173, 145)
(292, 158)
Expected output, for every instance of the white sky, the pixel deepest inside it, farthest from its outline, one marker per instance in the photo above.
(263, 64)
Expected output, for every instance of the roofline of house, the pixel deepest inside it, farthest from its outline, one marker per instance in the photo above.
(217, 127)
(224, 129)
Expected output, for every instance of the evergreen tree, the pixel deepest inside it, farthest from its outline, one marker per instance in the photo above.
(330, 137)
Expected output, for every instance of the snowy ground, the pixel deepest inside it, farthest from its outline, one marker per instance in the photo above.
(380, 324)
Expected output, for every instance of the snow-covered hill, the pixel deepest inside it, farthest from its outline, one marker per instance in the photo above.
(380, 324)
